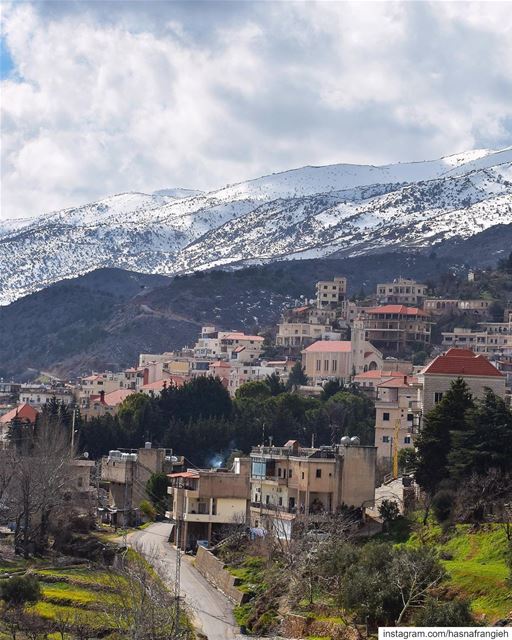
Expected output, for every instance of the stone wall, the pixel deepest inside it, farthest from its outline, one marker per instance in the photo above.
(215, 572)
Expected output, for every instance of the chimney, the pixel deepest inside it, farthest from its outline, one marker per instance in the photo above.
(102, 397)
(145, 379)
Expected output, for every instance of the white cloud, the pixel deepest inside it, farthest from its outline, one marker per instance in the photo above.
(155, 95)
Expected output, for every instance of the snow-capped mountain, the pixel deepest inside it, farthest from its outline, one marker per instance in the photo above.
(302, 213)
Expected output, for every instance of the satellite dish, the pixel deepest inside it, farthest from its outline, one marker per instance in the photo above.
(86, 454)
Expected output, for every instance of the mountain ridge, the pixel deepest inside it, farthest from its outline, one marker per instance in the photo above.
(338, 209)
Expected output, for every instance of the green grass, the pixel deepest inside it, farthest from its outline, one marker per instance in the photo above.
(250, 574)
(475, 562)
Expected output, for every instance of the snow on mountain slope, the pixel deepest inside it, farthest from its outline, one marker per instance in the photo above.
(308, 212)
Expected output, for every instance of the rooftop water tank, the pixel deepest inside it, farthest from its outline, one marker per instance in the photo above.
(345, 440)
(355, 440)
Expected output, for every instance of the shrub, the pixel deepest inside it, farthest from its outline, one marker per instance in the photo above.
(389, 510)
(437, 613)
(148, 509)
(20, 590)
(442, 505)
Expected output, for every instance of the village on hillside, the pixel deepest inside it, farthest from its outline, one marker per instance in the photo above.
(370, 361)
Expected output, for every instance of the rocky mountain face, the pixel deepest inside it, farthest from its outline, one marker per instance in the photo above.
(313, 212)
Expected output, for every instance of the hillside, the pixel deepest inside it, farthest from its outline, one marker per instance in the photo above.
(106, 318)
(312, 212)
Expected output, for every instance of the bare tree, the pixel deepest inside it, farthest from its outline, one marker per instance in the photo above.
(143, 607)
(414, 572)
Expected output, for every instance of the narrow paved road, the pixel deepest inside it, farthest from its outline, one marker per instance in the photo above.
(213, 612)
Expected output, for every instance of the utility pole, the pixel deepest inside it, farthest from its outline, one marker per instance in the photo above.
(177, 577)
(73, 420)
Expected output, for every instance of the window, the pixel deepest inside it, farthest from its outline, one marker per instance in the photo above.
(290, 473)
(280, 502)
(438, 396)
(410, 417)
(303, 475)
(385, 438)
(319, 473)
(385, 416)
(334, 365)
(267, 499)
(326, 365)
(407, 440)
(318, 365)
(279, 472)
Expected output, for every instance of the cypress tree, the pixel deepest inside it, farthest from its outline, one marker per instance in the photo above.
(435, 439)
(486, 443)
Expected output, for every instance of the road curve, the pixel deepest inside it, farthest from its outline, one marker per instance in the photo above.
(213, 612)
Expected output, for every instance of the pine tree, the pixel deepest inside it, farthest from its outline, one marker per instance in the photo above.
(486, 443)
(435, 439)
(297, 376)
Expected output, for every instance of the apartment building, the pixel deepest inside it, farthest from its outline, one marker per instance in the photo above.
(331, 293)
(394, 328)
(294, 482)
(38, 395)
(301, 334)
(475, 369)
(439, 307)
(397, 408)
(401, 291)
(490, 339)
(227, 345)
(204, 503)
(124, 474)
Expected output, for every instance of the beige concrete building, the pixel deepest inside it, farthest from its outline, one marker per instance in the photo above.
(331, 359)
(394, 328)
(476, 370)
(302, 334)
(204, 503)
(331, 293)
(397, 407)
(124, 474)
(227, 345)
(491, 338)
(294, 482)
(402, 291)
(439, 307)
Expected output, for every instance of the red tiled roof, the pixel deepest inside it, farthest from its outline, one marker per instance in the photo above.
(394, 383)
(242, 336)
(114, 398)
(183, 474)
(220, 363)
(158, 385)
(400, 309)
(329, 346)
(459, 353)
(377, 373)
(462, 362)
(24, 412)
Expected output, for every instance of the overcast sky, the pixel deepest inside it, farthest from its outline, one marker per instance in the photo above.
(104, 97)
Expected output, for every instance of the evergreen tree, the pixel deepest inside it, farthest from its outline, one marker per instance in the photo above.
(486, 443)
(297, 376)
(435, 439)
(274, 384)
